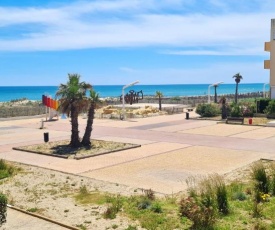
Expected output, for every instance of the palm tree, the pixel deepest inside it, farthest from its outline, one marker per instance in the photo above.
(238, 78)
(72, 101)
(94, 99)
(159, 95)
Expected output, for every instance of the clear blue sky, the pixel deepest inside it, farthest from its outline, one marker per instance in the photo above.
(115, 42)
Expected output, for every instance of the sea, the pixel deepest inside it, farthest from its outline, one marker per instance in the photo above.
(8, 93)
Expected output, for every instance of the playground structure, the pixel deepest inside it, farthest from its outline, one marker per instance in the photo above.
(132, 97)
(51, 106)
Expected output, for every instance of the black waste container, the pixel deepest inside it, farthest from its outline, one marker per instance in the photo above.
(187, 116)
(46, 137)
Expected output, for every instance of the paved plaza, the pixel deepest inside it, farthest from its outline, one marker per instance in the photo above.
(172, 149)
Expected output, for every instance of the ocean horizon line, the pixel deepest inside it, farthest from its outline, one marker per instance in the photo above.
(138, 84)
(8, 93)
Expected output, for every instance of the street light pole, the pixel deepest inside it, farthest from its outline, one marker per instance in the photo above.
(215, 97)
(264, 89)
(209, 94)
(123, 100)
(215, 85)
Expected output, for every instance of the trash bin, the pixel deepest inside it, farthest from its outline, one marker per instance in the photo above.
(250, 121)
(187, 116)
(46, 137)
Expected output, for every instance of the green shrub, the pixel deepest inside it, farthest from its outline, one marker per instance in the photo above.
(256, 200)
(145, 201)
(221, 194)
(150, 194)
(259, 225)
(262, 104)
(195, 210)
(144, 204)
(222, 202)
(3, 208)
(238, 196)
(115, 205)
(83, 190)
(242, 109)
(5, 169)
(110, 213)
(235, 110)
(130, 227)
(248, 108)
(272, 178)
(156, 207)
(3, 165)
(208, 110)
(259, 177)
(236, 190)
(207, 197)
(260, 187)
(175, 98)
(154, 221)
(270, 109)
(32, 209)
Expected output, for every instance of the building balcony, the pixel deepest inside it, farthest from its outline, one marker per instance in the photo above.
(267, 46)
(266, 64)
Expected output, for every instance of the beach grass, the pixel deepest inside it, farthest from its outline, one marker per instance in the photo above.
(161, 213)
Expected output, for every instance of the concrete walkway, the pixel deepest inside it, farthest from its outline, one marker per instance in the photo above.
(173, 149)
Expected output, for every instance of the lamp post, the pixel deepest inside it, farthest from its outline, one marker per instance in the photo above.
(215, 85)
(123, 100)
(264, 89)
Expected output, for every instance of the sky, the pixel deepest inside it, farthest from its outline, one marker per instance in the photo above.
(116, 42)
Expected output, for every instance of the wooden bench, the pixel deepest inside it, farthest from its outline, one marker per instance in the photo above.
(235, 120)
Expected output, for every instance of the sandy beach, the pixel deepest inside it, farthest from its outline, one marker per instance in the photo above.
(52, 194)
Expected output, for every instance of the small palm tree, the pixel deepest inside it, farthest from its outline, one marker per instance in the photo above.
(159, 95)
(72, 97)
(94, 99)
(238, 78)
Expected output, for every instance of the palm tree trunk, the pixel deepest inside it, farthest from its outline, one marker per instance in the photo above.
(74, 122)
(86, 141)
(236, 93)
(159, 103)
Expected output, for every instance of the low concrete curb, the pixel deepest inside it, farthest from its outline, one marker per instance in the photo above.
(107, 152)
(22, 117)
(43, 218)
(41, 153)
(77, 157)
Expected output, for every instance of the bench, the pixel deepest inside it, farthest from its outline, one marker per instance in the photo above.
(235, 120)
(189, 109)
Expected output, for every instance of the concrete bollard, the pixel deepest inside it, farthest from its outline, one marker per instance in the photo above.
(46, 137)
(42, 124)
